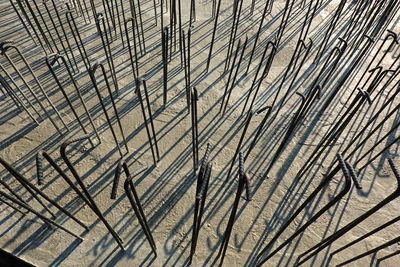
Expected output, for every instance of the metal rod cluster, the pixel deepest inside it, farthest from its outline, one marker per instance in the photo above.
(325, 73)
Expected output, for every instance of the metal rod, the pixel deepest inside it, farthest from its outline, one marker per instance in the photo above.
(195, 134)
(65, 36)
(30, 23)
(234, 76)
(135, 66)
(255, 76)
(43, 154)
(57, 32)
(202, 184)
(78, 92)
(230, 74)
(150, 116)
(33, 190)
(265, 72)
(139, 96)
(136, 206)
(92, 75)
(260, 128)
(250, 114)
(383, 226)
(165, 63)
(107, 49)
(50, 61)
(77, 37)
(236, 20)
(213, 35)
(243, 183)
(93, 205)
(187, 87)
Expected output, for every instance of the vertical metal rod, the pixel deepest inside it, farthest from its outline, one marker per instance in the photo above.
(155, 11)
(201, 194)
(195, 134)
(265, 72)
(109, 16)
(93, 205)
(6, 89)
(34, 191)
(230, 74)
(383, 226)
(234, 76)
(6, 47)
(65, 36)
(46, 41)
(150, 116)
(329, 32)
(283, 24)
(180, 32)
(123, 21)
(246, 125)
(57, 32)
(343, 122)
(46, 27)
(30, 23)
(188, 57)
(63, 175)
(299, 46)
(107, 49)
(213, 35)
(165, 64)
(134, 15)
(139, 96)
(92, 72)
(243, 183)
(141, 27)
(137, 207)
(187, 87)
(321, 185)
(233, 33)
(77, 37)
(50, 61)
(260, 128)
(255, 76)
(134, 70)
(78, 92)
(288, 132)
(257, 34)
(119, 20)
(192, 12)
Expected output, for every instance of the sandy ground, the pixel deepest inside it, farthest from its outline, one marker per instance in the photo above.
(167, 191)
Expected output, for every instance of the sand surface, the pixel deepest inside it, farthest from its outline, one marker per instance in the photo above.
(167, 191)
